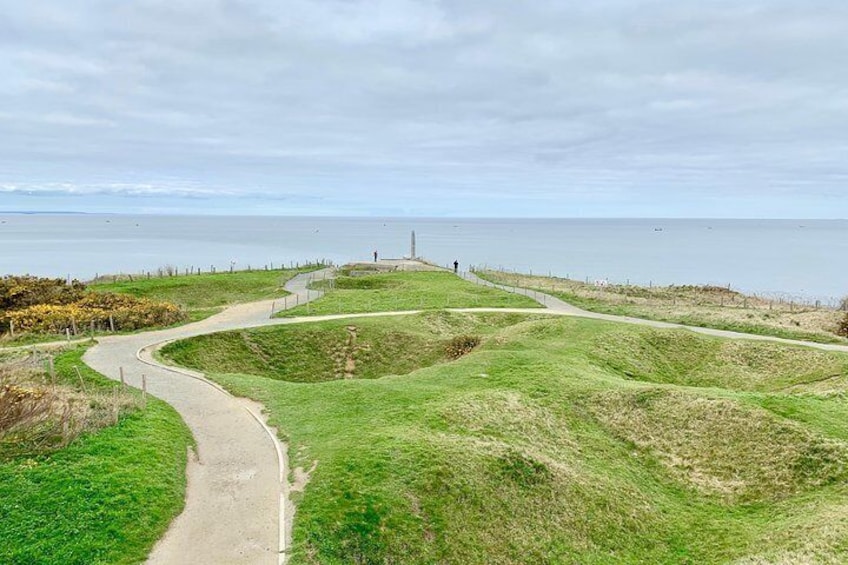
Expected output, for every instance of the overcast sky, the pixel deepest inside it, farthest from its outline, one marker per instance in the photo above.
(687, 108)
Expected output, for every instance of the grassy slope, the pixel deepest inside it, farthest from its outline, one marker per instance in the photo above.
(407, 291)
(318, 352)
(208, 291)
(561, 440)
(683, 305)
(106, 498)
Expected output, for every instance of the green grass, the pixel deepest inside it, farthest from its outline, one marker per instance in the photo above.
(208, 292)
(557, 440)
(324, 350)
(401, 291)
(106, 498)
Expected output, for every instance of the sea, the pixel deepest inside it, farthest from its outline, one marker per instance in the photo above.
(791, 259)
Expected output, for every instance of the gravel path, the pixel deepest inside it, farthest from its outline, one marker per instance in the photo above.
(233, 512)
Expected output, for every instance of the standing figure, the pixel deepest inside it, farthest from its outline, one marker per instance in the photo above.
(455, 266)
(375, 255)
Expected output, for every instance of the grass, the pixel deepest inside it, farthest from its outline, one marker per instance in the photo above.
(702, 306)
(208, 292)
(424, 290)
(556, 440)
(364, 348)
(104, 499)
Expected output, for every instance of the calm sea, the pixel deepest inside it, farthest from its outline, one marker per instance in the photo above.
(794, 257)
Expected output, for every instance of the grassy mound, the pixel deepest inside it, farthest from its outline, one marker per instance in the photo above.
(723, 446)
(422, 290)
(105, 498)
(685, 358)
(360, 348)
(537, 447)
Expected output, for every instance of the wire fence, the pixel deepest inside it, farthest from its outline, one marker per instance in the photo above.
(167, 271)
(605, 288)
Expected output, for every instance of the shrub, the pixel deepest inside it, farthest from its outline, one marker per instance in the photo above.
(461, 345)
(23, 291)
(36, 418)
(842, 327)
(35, 304)
(21, 408)
(127, 313)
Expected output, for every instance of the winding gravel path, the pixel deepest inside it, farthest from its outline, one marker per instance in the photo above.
(233, 512)
(237, 510)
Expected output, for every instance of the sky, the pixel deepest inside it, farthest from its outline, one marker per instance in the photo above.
(455, 108)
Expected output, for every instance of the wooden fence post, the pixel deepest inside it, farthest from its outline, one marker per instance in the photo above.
(52, 369)
(81, 380)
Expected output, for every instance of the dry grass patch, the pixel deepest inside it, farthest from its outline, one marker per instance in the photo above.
(37, 415)
(798, 540)
(508, 415)
(723, 447)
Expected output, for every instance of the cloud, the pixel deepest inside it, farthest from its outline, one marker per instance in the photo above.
(422, 105)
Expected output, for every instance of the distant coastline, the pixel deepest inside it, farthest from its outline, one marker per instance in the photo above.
(42, 213)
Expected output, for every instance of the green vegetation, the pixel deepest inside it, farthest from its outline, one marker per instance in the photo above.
(51, 307)
(422, 290)
(106, 485)
(362, 348)
(701, 306)
(209, 292)
(548, 440)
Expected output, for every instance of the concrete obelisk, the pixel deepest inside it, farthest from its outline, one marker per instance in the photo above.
(412, 250)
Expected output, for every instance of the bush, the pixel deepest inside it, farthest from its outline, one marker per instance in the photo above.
(842, 328)
(36, 418)
(23, 291)
(50, 306)
(127, 313)
(461, 345)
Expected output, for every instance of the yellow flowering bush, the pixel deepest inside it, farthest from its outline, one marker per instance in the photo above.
(30, 304)
(22, 291)
(127, 313)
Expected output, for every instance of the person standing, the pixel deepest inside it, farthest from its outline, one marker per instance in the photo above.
(455, 266)
(375, 255)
